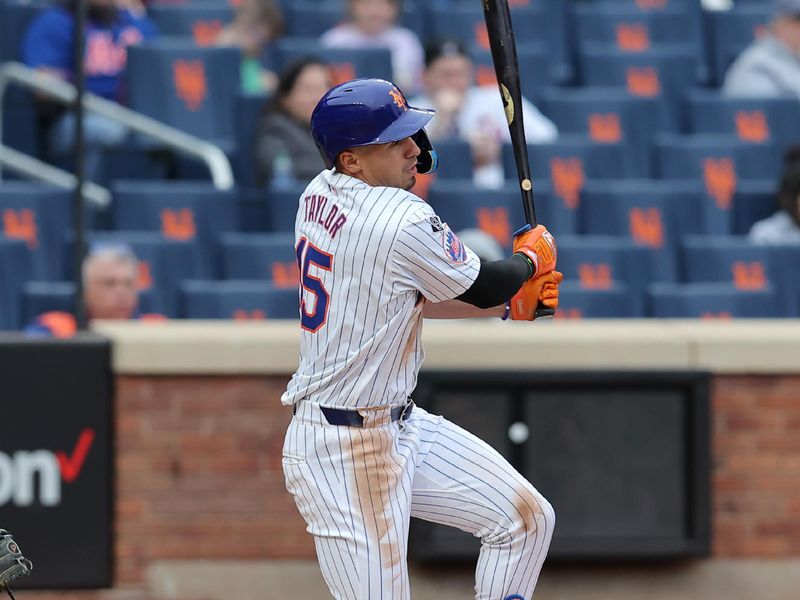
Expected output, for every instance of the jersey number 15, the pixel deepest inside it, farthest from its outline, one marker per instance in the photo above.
(307, 255)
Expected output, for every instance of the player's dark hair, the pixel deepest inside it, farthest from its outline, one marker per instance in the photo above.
(789, 189)
(443, 47)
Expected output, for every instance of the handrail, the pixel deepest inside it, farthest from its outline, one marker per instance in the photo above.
(60, 90)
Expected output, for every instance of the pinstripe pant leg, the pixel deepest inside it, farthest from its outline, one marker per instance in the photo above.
(352, 487)
(463, 482)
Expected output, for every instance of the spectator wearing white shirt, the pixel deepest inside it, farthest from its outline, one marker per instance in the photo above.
(373, 25)
(473, 113)
(783, 227)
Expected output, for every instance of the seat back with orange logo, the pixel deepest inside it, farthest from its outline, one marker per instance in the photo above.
(345, 63)
(537, 20)
(608, 116)
(200, 22)
(15, 270)
(651, 214)
(197, 86)
(756, 121)
(710, 301)
(720, 164)
(614, 302)
(533, 57)
(240, 300)
(662, 72)
(261, 257)
(631, 29)
(40, 216)
(192, 212)
(727, 259)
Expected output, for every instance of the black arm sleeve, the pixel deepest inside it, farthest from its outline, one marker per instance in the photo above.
(497, 281)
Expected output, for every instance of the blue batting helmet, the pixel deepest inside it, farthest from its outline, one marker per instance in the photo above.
(363, 112)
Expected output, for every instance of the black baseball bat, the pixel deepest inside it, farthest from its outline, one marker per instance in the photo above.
(506, 67)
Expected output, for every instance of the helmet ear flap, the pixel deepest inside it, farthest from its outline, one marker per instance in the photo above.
(428, 159)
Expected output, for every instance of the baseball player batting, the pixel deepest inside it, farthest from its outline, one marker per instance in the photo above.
(359, 458)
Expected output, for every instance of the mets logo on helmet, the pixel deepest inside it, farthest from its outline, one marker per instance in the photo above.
(398, 98)
(453, 246)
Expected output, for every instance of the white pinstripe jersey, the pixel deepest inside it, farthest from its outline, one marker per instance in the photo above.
(365, 255)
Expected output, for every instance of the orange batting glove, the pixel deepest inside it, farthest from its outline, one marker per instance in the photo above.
(542, 289)
(538, 246)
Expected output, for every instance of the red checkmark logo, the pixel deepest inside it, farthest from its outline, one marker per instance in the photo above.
(71, 466)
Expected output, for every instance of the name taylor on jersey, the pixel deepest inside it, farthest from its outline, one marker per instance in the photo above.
(318, 209)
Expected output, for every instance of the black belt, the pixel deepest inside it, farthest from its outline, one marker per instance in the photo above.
(352, 418)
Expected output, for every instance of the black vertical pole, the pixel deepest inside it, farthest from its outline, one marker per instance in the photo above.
(78, 216)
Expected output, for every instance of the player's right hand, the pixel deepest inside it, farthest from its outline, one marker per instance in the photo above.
(539, 290)
(538, 246)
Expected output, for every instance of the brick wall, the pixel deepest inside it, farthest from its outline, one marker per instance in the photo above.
(756, 482)
(198, 471)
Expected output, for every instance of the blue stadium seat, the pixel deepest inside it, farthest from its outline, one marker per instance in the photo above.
(497, 212)
(575, 302)
(662, 73)
(785, 261)
(162, 263)
(752, 120)
(245, 124)
(238, 300)
(607, 115)
(260, 257)
(15, 16)
(752, 201)
(455, 159)
(185, 211)
(40, 215)
(282, 205)
(196, 87)
(201, 22)
(632, 29)
(600, 262)
(39, 297)
(536, 21)
(654, 214)
(745, 266)
(534, 60)
(345, 63)
(15, 270)
(720, 162)
(710, 301)
(568, 163)
(730, 31)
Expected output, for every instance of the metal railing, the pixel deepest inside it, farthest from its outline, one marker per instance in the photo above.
(59, 90)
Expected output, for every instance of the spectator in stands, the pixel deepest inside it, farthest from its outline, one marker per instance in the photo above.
(110, 291)
(770, 66)
(784, 226)
(112, 26)
(481, 243)
(285, 149)
(255, 25)
(467, 111)
(372, 25)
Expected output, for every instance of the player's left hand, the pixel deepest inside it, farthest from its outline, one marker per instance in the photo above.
(542, 289)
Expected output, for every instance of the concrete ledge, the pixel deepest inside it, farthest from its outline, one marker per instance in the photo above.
(226, 347)
(718, 579)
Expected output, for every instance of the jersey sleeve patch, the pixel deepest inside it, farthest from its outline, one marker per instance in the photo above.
(436, 224)
(453, 247)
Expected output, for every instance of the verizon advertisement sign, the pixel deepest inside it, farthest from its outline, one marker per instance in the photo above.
(56, 458)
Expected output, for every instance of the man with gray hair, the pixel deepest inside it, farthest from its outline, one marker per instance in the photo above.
(770, 66)
(109, 273)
